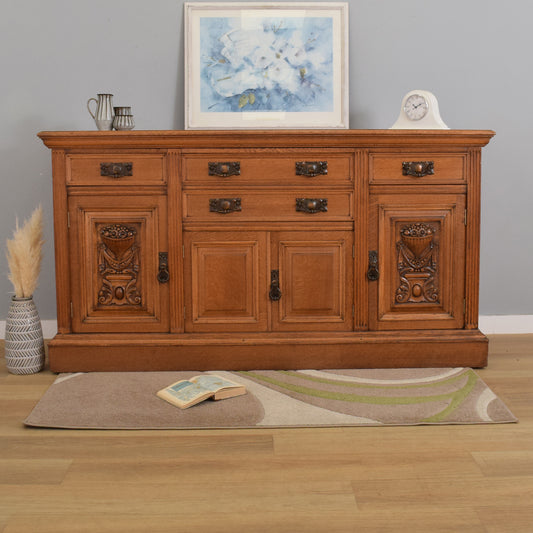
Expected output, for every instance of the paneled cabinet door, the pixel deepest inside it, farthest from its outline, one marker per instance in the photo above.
(311, 281)
(416, 265)
(119, 265)
(225, 286)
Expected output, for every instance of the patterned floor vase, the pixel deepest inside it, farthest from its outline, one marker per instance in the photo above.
(24, 337)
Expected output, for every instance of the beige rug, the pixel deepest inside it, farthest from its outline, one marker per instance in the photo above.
(127, 400)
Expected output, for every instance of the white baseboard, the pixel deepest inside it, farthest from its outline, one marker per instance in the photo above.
(488, 324)
(505, 324)
(49, 328)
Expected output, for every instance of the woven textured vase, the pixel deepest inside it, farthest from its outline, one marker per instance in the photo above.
(24, 337)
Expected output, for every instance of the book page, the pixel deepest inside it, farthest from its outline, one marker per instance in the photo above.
(213, 383)
(186, 391)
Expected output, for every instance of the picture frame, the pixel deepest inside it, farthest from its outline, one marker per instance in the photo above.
(262, 65)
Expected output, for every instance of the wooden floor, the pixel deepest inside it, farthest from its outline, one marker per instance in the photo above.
(392, 479)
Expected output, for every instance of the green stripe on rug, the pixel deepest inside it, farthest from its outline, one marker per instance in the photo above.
(327, 381)
(457, 397)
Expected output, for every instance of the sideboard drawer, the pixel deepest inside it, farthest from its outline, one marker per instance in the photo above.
(289, 205)
(412, 168)
(116, 169)
(289, 168)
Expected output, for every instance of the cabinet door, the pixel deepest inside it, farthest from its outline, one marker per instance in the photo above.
(225, 286)
(418, 256)
(119, 278)
(315, 273)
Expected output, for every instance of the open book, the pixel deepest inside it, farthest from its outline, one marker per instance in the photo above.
(189, 392)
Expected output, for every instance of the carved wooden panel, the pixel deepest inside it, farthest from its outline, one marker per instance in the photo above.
(115, 264)
(315, 279)
(225, 288)
(119, 265)
(420, 242)
(418, 263)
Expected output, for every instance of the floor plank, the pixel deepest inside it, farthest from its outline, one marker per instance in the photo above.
(391, 479)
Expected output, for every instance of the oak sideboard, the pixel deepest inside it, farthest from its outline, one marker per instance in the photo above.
(271, 249)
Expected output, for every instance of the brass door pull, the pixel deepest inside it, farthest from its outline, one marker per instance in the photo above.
(163, 276)
(275, 291)
(373, 266)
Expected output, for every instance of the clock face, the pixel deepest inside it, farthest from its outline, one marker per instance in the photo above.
(416, 107)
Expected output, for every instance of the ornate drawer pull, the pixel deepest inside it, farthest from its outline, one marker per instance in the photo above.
(163, 276)
(224, 170)
(312, 205)
(224, 205)
(373, 266)
(311, 168)
(417, 169)
(116, 170)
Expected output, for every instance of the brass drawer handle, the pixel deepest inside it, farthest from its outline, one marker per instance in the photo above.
(224, 169)
(311, 168)
(116, 170)
(312, 205)
(224, 205)
(418, 169)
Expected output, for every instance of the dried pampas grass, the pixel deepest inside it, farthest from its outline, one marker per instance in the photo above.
(24, 255)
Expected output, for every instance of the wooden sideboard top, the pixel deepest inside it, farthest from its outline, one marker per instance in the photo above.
(265, 138)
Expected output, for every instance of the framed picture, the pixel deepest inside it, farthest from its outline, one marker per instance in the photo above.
(266, 65)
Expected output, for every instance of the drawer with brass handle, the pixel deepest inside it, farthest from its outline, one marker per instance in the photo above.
(297, 168)
(272, 206)
(412, 168)
(115, 169)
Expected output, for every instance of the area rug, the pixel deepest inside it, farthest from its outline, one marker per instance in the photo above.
(308, 398)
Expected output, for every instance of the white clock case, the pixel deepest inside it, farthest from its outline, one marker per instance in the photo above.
(431, 121)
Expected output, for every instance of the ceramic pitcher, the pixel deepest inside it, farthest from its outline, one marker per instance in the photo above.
(104, 111)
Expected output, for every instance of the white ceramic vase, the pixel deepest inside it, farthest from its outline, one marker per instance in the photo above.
(24, 337)
(103, 115)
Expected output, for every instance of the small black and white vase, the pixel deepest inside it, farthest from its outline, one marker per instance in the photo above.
(24, 337)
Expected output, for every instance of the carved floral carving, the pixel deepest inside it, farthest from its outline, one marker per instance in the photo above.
(417, 264)
(118, 266)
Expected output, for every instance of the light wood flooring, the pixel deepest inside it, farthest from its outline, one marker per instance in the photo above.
(392, 479)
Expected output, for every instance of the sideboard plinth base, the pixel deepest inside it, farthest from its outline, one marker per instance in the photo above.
(408, 349)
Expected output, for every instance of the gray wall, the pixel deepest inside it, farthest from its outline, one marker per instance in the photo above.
(473, 54)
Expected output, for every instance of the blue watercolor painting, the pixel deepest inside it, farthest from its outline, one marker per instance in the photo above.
(278, 64)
